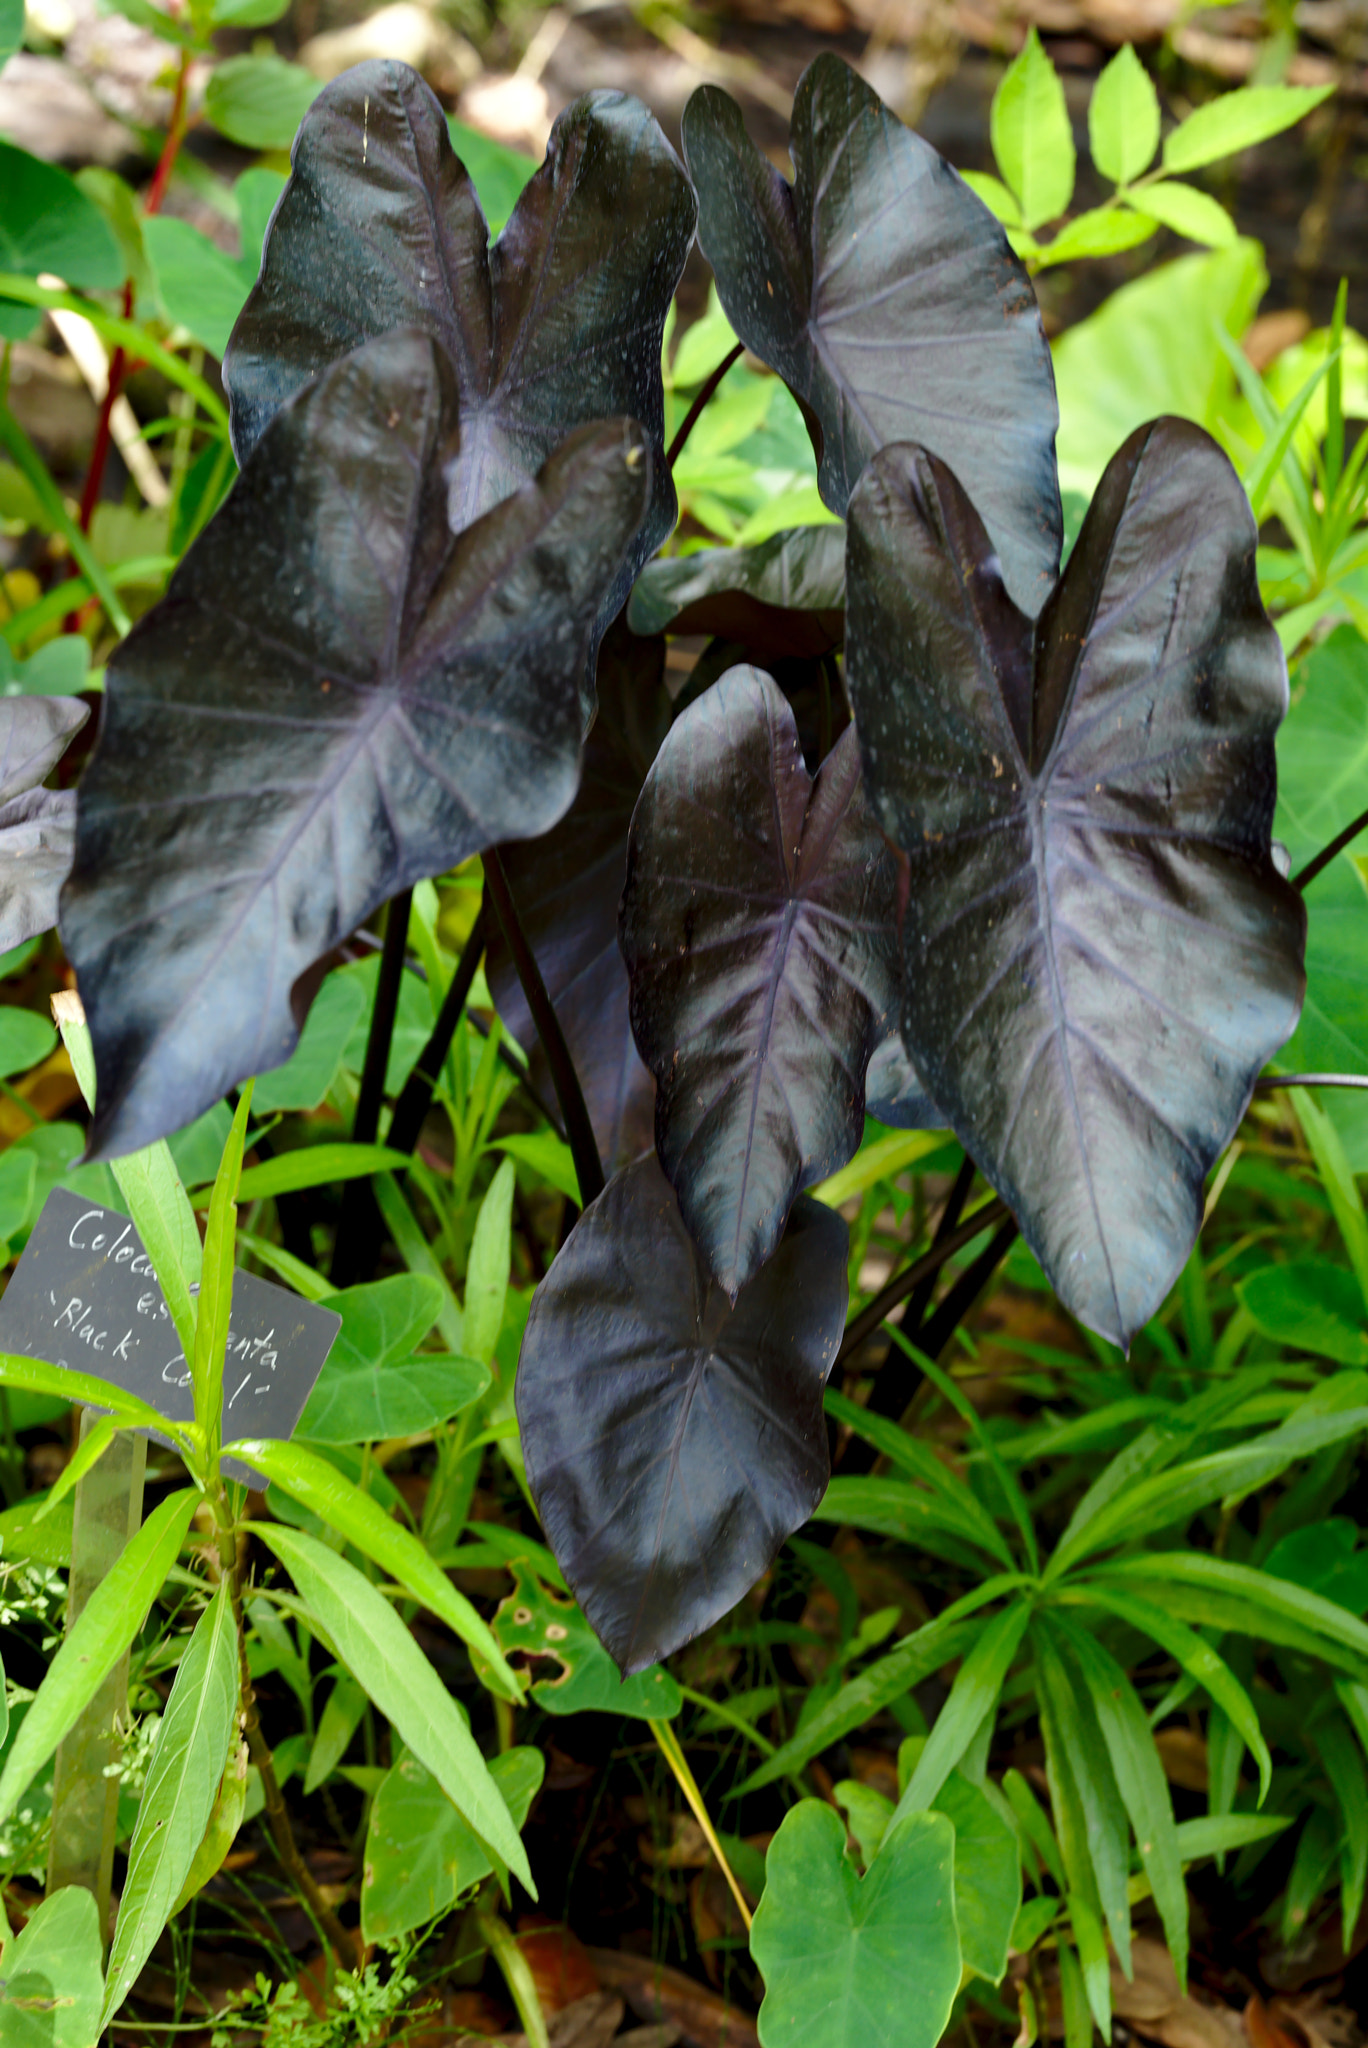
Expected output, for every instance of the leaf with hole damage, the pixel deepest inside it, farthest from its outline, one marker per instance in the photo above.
(888, 299)
(335, 698)
(37, 825)
(568, 885)
(1099, 954)
(673, 1441)
(571, 1672)
(758, 927)
(557, 324)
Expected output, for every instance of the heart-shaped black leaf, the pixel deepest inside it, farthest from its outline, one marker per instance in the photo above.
(567, 886)
(557, 324)
(335, 698)
(888, 299)
(758, 931)
(783, 597)
(37, 825)
(673, 1441)
(1099, 953)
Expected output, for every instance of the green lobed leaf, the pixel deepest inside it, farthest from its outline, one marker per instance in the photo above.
(374, 1384)
(178, 1798)
(382, 1656)
(833, 1947)
(421, 1856)
(1237, 120)
(25, 1039)
(1123, 118)
(532, 1622)
(1031, 136)
(313, 1066)
(320, 1487)
(92, 1647)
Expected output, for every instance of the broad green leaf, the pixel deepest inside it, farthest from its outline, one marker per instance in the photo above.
(1237, 120)
(25, 1534)
(337, 1724)
(834, 1947)
(48, 224)
(25, 1039)
(229, 1812)
(18, 1185)
(313, 1066)
(534, 1622)
(1196, 1657)
(202, 289)
(416, 1253)
(867, 1815)
(1031, 136)
(1123, 119)
(987, 1876)
(1186, 210)
(11, 27)
(374, 1385)
(53, 1984)
(973, 1698)
(94, 1644)
(1104, 231)
(259, 101)
(178, 1798)
(1096, 1855)
(995, 196)
(320, 1487)
(214, 1308)
(1139, 1778)
(1338, 1182)
(382, 1656)
(1312, 1305)
(36, 1376)
(491, 1250)
(1325, 1558)
(421, 1856)
(312, 1166)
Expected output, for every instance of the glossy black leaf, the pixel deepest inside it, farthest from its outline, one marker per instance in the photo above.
(783, 597)
(37, 825)
(556, 324)
(567, 886)
(1099, 953)
(758, 931)
(335, 698)
(888, 299)
(673, 1441)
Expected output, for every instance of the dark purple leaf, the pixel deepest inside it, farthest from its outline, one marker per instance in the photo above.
(894, 1094)
(568, 885)
(557, 324)
(37, 825)
(783, 597)
(888, 299)
(335, 698)
(758, 931)
(1099, 954)
(673, 1441)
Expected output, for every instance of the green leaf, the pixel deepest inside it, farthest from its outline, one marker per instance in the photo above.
(1338, 1182)
(973, 1698)
(158, 21)
(25, 1039)
(1278, 1598)
(1325, 1558)
(247, 13)
(1032, 139)
(1196, 1657)
(1186, 210)
(259, 101)
(52, 1987)
(312, 1166)
(908, 1514)
(48, 224)
(1123, 119)
(995, 196)
(535, 1623)
(313, 1066)
(1140, 1779)
(549, 1157)
(1078, 2030)
(214, 1308)
(1102, 232)
(421, 1856)
(93, 1645)
(178, 1798)
(921, 1462)
(833, 1947)
(1095, 1962)
(491, 1250)
(374, 1385)
(1216, 1834)
(1101, 1845)
(57, 669)
(867, 1815)
(229, 1811)
(382, 1656)
(336, 1726)
(498, 173)
(987, 1876)
(11, 27)
(1342, 1761)
(37, 1376)
(1237, 120)
(321, 1488)
(1310, 1304)
(882, 1158)
(202, 289)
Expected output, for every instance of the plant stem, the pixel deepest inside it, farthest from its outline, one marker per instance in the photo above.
(358, 1204)
(705, 392)
(1266, 1083)
(412, 1105)
(966, 1291)
(679, 1765)
(903, 1284)
(1307, 875)
(911, 1320)
(578, 1129)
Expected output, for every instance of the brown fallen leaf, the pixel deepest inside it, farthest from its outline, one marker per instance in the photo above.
(656, 1993)
(1262, 2029)
(1153, 2005)
(1183, 1753)
(560, 1965)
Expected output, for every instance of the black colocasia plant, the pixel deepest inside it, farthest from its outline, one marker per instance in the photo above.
(1028, 893)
